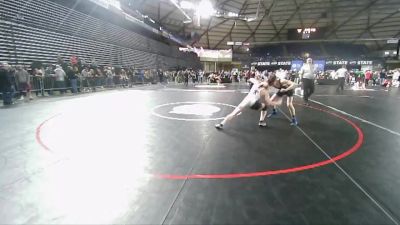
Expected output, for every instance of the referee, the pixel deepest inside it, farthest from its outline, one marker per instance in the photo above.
(307, 75)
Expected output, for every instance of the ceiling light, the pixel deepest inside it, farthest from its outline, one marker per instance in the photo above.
(180, 9)
(205, 9)
(232, 14)
(187, 5)
(250, 19)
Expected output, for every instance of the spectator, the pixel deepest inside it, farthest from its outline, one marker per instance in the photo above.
(59, 79)
(109, 77)
(48, 80)
(23, 81)
(38, 75)
(368, 77)
(141, 75)
(124, 78)
(85, 85)
(382, 77)
(186, 77)
(92, 79)
(396, 78)
(375, 77)
(73, 78)
(6, 83)
(160, 75)
(201, 75)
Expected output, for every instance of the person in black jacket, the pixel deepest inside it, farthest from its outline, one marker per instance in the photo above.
(73, 79)
(7, 83)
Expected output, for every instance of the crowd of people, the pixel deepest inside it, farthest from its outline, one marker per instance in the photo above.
(75, 75)
(78, 76)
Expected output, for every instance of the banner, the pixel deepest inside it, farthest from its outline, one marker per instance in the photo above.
(352, 62)
(210, 55)
(296, 65)
(320, 65)
(273, 63)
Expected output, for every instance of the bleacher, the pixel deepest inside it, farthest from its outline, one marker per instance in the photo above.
(40, 30)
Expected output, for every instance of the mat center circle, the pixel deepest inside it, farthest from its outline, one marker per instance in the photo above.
(192, 111)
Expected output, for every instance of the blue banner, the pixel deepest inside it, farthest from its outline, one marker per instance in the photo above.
(296, 65)
(320, 65)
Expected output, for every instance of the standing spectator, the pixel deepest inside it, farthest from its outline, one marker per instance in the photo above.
(85, 85)
(117, 76)
(141, 75)
(368, 77)
(6, 83)
(60, 60)
(73, 79)
(147, 75)
(130, 74)
(341, 75)
(38, 76)
(93, 63)
(124, 78)
(92, 79)
(60, 79)
(109, 77)
(160, 76)
(396, 77)
(48, 80)
(186, 77)
(201, 74)
(382, 76)
(307, 75)
(375, 76)
(100, 79)
(23, 80)
(73, 60)
(193, 76)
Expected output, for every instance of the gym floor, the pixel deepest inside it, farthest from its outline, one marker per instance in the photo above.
(151, 155)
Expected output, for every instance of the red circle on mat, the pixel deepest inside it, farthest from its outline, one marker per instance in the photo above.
(348, 152)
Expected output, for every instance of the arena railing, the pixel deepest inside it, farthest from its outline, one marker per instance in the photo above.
(47, 84)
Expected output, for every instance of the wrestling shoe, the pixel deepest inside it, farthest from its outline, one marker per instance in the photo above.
(274, 113)
(262, 124)
(294, 122)
(219, 126)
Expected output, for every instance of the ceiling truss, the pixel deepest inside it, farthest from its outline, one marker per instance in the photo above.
(277, 16)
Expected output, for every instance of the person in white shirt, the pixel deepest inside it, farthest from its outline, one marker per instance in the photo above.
(396, 78)
(307, 75)
(341, 75)
(201, 74)
(59, 75)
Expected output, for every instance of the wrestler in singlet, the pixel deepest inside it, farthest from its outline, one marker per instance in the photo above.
(279, 85)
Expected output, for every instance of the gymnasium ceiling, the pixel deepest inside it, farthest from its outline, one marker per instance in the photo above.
(368, 21)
